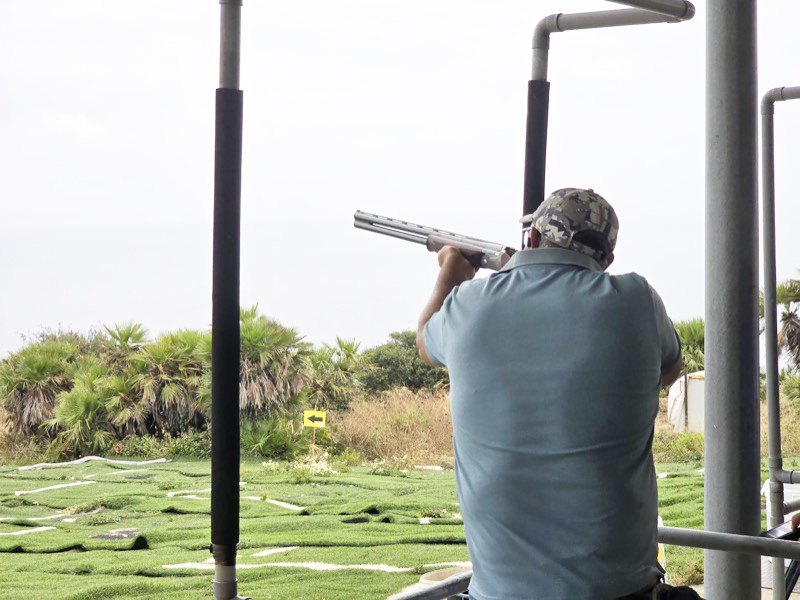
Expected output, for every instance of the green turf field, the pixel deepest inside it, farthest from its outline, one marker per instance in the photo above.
(127, 531)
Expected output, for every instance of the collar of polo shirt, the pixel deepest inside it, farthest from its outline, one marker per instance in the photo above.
(552, 256)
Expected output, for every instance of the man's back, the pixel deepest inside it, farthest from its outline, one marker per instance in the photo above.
(555, 369)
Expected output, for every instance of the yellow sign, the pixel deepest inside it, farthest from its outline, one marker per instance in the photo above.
(314, 418)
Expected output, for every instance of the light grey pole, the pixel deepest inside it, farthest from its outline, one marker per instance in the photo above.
(732, 468)
(230, 43)
(225, 334)
(777, 474)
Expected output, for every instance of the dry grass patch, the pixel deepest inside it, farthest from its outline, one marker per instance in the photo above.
(669, 446)
(398, 423)
(790, 427)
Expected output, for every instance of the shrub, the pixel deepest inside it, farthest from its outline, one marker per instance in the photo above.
(16, 449)
(273, 437)
(399, 422)
(192, 444)
(683, 447)
(397, 364)
(790, 427)
(195, 444)
(304, 469)
(349, 457)
(273, 467)
(139, 445)
(790, 386)
(390, 468)
(30, 381)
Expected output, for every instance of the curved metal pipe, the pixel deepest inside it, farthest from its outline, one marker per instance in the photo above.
(777, 475)
(647, 12)
(595, 20)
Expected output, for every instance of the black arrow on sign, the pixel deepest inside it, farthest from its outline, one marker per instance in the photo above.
(313, 418)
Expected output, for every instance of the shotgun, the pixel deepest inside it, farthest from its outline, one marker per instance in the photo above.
(481, 253)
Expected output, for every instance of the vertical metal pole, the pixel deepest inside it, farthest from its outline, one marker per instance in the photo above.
(771, 335)
(732, 502)
(535, 145)
(225, 317)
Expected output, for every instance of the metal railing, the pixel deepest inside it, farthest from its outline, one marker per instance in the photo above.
(673, 536)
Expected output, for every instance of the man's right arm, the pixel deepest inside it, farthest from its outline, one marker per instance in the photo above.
(454, 270)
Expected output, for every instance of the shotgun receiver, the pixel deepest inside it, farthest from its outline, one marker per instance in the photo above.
(492, 255)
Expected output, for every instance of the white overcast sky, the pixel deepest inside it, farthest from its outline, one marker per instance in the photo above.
(408, 108)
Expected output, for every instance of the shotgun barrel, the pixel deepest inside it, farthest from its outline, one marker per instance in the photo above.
(492, 255)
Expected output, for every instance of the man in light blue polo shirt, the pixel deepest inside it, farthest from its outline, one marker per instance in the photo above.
(555, 370)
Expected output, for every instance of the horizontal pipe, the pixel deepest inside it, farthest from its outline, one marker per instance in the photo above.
(791, 506)
(785, 476)
(729, 542)
(593, 20)
(674, 8)
(673, 536)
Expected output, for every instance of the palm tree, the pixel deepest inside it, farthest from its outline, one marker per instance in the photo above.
(336, 374)
(166, 375)
(123, 340)
(80, 420)
(692, 335)
(273, 369)
(31, 380)
(127, 412)
(787, 295)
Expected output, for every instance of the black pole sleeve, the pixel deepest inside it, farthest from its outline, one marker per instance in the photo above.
(535, 144)
(225, 327)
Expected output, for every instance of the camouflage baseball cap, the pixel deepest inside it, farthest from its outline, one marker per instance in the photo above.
(579, 220)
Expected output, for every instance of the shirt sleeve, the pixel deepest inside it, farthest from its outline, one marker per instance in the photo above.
(667, 335)
(434, 335)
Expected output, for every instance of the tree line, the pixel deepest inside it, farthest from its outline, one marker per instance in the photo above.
(81, 392)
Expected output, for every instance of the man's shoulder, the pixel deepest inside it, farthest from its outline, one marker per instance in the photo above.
(482, 286)
(632, 281)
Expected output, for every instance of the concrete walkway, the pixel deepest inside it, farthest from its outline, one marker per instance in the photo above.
(766, 582)
(766, 593)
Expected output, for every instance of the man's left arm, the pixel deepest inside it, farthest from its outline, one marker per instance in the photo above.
(455, 269)
(670, 343)
(667, 379)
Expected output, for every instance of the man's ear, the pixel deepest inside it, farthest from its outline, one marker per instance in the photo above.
(534, 237)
